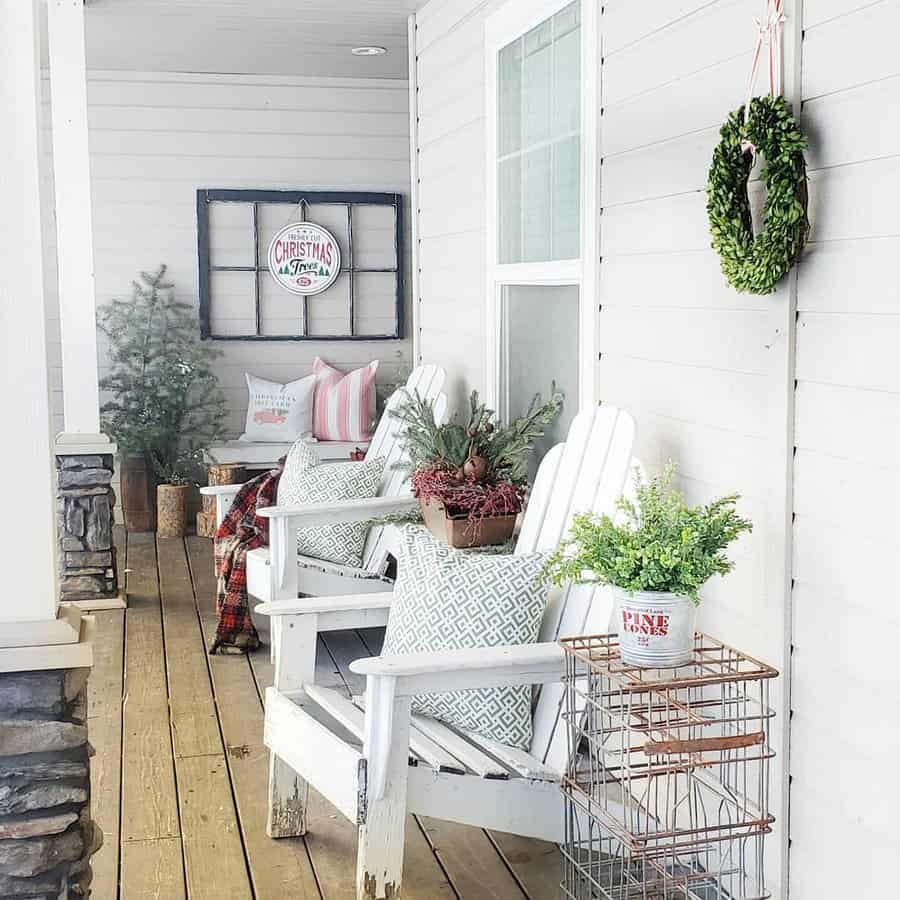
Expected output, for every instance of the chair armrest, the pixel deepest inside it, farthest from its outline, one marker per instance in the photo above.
(341, 603)
(220, 490)
(338, 512)
(454, 670)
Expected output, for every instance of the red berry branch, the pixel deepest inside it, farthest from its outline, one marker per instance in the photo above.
(466, 496)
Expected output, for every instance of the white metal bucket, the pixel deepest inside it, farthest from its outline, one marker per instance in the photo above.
(656, 630)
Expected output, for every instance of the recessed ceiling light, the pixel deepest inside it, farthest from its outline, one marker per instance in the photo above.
(369, 51)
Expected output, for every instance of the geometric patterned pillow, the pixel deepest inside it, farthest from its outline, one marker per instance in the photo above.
(305, 480)
(446, 599)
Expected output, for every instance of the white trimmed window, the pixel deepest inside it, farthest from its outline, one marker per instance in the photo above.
(542, 109)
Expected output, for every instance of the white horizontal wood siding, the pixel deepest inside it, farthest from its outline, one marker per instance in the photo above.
(847, 473)
(792, 399)
(451, 140)
(156, 138)
(703, 369)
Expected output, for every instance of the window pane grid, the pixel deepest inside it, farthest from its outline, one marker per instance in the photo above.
(538, 128)
(381, 236)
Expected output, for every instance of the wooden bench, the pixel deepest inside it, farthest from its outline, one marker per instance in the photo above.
(256, 455)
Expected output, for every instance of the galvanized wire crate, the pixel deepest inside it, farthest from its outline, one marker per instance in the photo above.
(667, 786)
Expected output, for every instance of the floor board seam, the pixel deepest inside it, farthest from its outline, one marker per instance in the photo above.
(165, 660)
(215, 700)
(117, 888)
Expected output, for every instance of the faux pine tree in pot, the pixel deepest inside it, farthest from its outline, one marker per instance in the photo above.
(165, 403)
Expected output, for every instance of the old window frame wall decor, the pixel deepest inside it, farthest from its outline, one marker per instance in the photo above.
(296, 208)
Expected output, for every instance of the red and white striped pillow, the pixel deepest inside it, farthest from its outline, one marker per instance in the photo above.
(345, 404)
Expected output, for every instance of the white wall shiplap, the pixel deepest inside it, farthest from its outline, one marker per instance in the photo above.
(846, 626)
(792, 399)
(701, 368)
(157, 138)
(450, 57)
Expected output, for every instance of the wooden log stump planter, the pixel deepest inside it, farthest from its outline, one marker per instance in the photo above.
(222, 473)
(171, 509)
(217, 474)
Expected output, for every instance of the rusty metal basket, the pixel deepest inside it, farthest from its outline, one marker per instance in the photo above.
(667, 786)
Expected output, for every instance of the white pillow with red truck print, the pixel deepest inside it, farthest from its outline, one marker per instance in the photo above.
(279, 413)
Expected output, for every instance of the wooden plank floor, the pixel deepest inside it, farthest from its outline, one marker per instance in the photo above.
(180, 771)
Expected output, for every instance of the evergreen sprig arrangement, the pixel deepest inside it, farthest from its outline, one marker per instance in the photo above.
(755, 264)
(499, 452)
(476, 467)
(166, 400)
(660, 543)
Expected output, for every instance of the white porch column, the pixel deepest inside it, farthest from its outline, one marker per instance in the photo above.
(35, 632)
(29, 592)
(74, 234)
(84, 456)
(45, 709)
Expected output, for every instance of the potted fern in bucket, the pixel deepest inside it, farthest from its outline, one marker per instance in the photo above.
(471, 477)
(656, 555)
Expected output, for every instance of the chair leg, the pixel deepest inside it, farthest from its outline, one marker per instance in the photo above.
(294, 649)
(379, 866)
(288, 801)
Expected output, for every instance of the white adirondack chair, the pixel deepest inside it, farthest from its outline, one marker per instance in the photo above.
(317, 577)
(373, 759)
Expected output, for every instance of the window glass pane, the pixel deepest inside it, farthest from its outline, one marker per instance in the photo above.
(566, 72)
(333, 217)
(374, 303)
(566, 195)
(280, 311)
(538, 148)
(374, 238)
(509, 98)
(272, 217)
(539, 347)
(537, 86)
(329, 312)
(232, 306)
(509, 191)
(536, 199)
(230, 234)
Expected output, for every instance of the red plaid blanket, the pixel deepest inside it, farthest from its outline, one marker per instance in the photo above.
(241, 531)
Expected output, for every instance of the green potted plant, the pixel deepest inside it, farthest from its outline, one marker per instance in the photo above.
(165, 403)
(656, 555)
(470, 477)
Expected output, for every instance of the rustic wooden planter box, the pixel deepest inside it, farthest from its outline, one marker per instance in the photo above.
(460, 533)
(138, 489)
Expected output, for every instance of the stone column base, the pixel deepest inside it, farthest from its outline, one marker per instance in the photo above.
(47, 835)
(88, 572)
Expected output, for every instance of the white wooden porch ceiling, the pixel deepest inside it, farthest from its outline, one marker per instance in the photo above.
(265, 37)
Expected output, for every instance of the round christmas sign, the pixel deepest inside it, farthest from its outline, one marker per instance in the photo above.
(304, 258)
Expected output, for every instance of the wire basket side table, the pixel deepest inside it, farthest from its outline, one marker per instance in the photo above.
(667, 784)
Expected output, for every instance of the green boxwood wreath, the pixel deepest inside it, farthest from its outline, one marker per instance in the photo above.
(756, 264)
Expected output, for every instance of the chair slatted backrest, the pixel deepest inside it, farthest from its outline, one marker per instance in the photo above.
(585, 474)
(387, 443)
